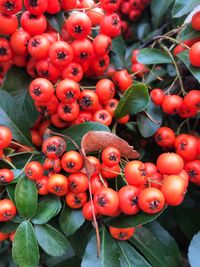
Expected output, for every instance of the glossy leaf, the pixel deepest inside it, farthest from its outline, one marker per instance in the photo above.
(109, 255)
(130, 257)
(184, 57)
(8, 227)
(152, 248)
(56, 21)
(78, 131)
(153, 56)
(70, 220)
(183, 7)
(125, 221)
(29, 109)
(152, 76)
(193, 252)
(189, 33)
(26, 198)
(51, 240)
(134, 100)
(46, 209)
(13, 117)
(158, 10)
(119, 49)
(150, 120)
(25, 248)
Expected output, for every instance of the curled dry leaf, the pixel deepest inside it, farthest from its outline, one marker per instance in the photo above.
(97, 141)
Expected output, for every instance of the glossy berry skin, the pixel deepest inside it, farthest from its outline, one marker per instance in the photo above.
(157, 96)
(38, 47)
(73, 71)
(109, 172)
(68, 5)
(6, 53)
(68, 111)
(87, 211)
(8, 24)
(36, 7)
(7, 210)
(106, 201)
(76, 201)
(186, 146)
(88, 100)
(102, 116)
(170, 163)
(121, 233)
(128, 199)
(97, 183)
(194, 54)
(53, 147)
(102, 44)
(68, 91)
(105, 89)
(5, 136)
(34, 170)
(72, 161)
(52, 165)
(151, 200)
(8, 7)
(192, 100)
(122, 80)
(165, 137)
(42, 185)
(6, 175)
(19, 41)
(111, 156)
(78, 182)
(41, 90)
(110, 25)
(172, 104)
(173, 189)
(78, 25)
(60, 53)
(110, 5)
(193, 170)
(58, 185)
(135, 172)
(196, 21)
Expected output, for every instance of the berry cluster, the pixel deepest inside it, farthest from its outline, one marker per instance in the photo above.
(131, 11)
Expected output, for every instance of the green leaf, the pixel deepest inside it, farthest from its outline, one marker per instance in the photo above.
(149, 122)
(189, 33)
(158, 10)
(51, 240)
(47, 209)
(70, 220)
(151, 248)
(26, 198)
(171, 248)
(193, 252)
(119, 49)
(125, 221)
(25, 248)
(16, 83)
(12, 116)
(134, 100)
(183, 7)
(78, 131)
(29, 109)
(184, 57)
(152, 76)
(8, 227)
(130, 257)
(109, 255)
(10, 188)
(56, 21)
(153, 56)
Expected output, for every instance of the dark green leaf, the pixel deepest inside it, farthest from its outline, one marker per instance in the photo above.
(188, 33)
(16, 83)
(143, 29)
(151, 248)
(109, 255)
(158, 10)
(130, 257)
(153, 56)
(11, 191)
(149, 122)
(25, 248)
(134, 100)
(47, 209)
(29, 109)
(183, 7)
(8, 227)
(26, 197)
(51, 240)
(119, 49)
(171, 248)
(193, 252)
(56, 21)
(184, 57)
(125, 221)
(152, 76)
(78, 131)
(12, 116)
(70, 220)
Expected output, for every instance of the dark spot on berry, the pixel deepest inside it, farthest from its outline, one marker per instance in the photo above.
(122, 235)
(74, 71)
(35, 43)
(102, 63)
(154, 204)
(73, 185)
(9, 5)
(83, 55)
(3, 51)
(67, 109)
(33, 3)
(70, 165)
(61, 55)
(69, 94)
(37, 91)
(2, 178)
(134, 201)
(77, 200)
(86, 101)
(101, 201)
(78, 29)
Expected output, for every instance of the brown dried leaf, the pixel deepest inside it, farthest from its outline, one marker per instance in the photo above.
(97, 141)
